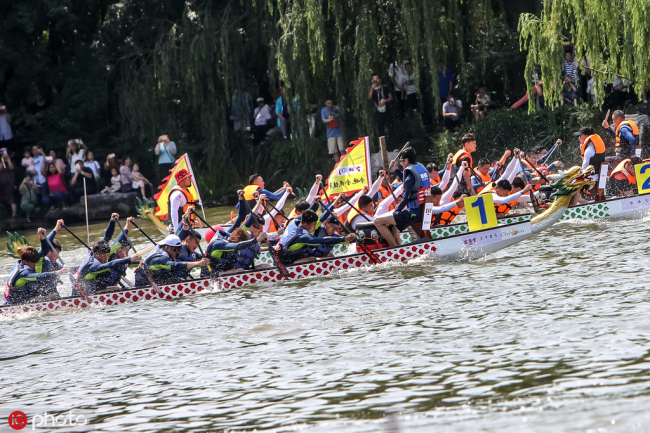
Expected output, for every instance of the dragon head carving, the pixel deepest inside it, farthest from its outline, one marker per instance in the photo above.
(146, 210)
(570, 181)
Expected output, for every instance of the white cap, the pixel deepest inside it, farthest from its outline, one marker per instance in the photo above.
(171, 241)
(260, 99)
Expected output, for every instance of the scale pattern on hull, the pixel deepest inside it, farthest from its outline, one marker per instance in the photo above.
(590, 211)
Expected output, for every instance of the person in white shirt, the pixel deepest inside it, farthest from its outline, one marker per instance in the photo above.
(263, 116)
(409, 91)
(75, 151)
(92, 164)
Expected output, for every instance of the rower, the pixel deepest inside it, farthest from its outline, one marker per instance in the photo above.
(26, 284)
(311, 197)
(504, 198)
(484, 172)
(222, 252)
(164, 266)
(98, 273)
(592, 149)
(180, 198)
(626, 135)
(445, 214)
(367, 207)
(256, 184)
(303, 245)
(409, 211)
(293, 223)
(120, 250)
(465, 154)
(49, 263)
(622, 180)
(190, 239)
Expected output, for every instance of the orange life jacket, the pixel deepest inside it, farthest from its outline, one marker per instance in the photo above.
(462, 154)
(505, 207)
(620, 172)
(181, 211)
(635, 132)
(445, 218)
(599, 146)
(485, 178)
(353, 213)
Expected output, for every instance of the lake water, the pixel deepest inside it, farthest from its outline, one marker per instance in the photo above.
(550, 335)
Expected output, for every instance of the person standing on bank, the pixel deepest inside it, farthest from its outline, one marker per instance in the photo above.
(332, 120)
(380, 96)
(166, 151)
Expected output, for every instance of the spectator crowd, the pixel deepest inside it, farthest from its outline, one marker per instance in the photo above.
(33, 180)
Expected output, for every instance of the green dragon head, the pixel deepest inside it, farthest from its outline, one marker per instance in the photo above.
(15, 244)
(147, 210)
(570, 181)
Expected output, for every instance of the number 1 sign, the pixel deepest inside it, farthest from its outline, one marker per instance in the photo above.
(480, 212)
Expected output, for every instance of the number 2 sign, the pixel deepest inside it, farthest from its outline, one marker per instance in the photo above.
(643, 177)
(480, 212)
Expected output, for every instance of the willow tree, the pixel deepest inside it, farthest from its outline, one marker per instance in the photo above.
(182, 79)
(343, 42)
(613, 34)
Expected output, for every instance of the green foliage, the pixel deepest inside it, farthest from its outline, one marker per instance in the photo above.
(119, 74)
(508, 129)
(613, 34)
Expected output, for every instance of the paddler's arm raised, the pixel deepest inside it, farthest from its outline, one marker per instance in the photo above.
(313, 192)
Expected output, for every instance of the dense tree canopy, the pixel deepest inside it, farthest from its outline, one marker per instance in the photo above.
(118, 74)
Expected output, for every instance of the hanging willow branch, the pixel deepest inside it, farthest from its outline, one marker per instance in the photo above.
(614, 35)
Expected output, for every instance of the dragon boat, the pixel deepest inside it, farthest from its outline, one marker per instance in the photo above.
(460, 246)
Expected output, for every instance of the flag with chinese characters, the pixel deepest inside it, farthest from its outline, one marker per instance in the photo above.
(352, 172)
(162, 198)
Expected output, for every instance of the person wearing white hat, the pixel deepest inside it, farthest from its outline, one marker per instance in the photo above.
(163, 265)
(263, 116)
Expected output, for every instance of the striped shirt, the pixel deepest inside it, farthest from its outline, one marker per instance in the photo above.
(570, 69)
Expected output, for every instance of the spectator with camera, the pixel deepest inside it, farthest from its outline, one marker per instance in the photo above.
(332, 119)
(166, 151)
(381, 96)
(82, 174)
(75, 151)
(482, 103)
(569, 91)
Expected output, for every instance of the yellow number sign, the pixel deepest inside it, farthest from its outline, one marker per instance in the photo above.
(480, 212)
(643, 177)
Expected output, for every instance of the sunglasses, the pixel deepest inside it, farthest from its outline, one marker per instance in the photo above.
(401, 160)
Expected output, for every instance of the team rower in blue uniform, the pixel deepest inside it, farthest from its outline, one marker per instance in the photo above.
(27, 284)
(304, 245)
(164, 265)
(98, 273)
(410, 209)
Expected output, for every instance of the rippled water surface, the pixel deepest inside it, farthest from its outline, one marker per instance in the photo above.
(549, 335)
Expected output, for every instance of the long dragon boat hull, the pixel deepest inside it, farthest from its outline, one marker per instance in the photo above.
(465, 246)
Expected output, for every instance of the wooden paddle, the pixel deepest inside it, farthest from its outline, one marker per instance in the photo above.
(372, 256)
(144, 266)
(73, 280)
